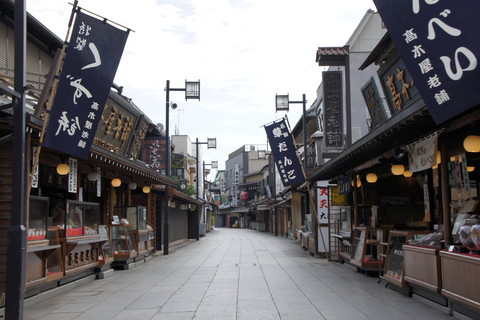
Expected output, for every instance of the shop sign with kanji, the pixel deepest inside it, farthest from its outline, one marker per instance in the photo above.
(285, 153)
(91, 61)
(438, 41)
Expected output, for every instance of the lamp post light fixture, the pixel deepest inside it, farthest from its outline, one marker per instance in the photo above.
(282, 103)
(192, 91)
(211, 144)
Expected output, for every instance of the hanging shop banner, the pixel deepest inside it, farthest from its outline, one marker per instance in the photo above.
(72, 175)
(438, 41)
(94, 52)
(374, 103)
(284, 153)
(422, 154)
(333, 109)
(345, 183)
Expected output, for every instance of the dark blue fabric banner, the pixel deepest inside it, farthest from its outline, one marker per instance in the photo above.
(284, 153)
(90, 65)
(438, 41)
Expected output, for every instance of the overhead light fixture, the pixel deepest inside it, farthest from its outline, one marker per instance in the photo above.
(146, 189)
(371, 177)
(472, 143)
(399, 154)
(398, 169)
(470, 168)
(116, 182)
(63, 169)
(132, 186)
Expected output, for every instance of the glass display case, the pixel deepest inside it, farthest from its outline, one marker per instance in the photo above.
(37, 218)
(394, 263)
(366, 248)
(105, 255)
(135, 215)
(44, 249)
(74, 218)
(123, 243)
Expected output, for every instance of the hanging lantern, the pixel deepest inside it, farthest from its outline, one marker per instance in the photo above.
(62, 169)
(371, 177)
(470, 168)
(244, 196)
(358, 182)
(132, 186)
(146, 189)
(407, 173)
(472, 143)
(92, 176)
(116, 182)
(398, 169)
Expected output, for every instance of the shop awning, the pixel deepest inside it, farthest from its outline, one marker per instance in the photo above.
(240, 210)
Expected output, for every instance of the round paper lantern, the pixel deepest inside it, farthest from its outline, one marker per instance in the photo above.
(116, 182)
(470, 168)
(62, 169)
(472, 143)
(398, 169)
(359, 183)
(92, 176)
(146, 189)
(407, 174)
(371, 177)
(132, 186)
(244, 196)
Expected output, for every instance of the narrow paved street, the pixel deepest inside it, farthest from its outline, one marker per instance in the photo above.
(233, 274)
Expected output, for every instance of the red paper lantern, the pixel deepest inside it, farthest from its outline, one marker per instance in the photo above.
(244, 196)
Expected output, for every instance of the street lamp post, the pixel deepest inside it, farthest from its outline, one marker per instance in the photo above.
(192, 91)
(282, 103)
(211, 144)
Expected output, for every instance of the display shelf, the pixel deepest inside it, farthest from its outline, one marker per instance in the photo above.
(365, 248)
(105, 255)
(137, 220)
(394, 262)
(123, 242)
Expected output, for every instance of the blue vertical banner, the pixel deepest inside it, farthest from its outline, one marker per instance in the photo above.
(284, 153)
(438, 41)
(91, 61)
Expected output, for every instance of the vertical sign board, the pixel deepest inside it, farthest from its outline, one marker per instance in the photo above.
(93, 56)
(438, 41)
(374, 103)
(322, 216)
(284, 153)
(333, 109)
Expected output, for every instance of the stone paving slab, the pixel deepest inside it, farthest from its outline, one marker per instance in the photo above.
(237, 274)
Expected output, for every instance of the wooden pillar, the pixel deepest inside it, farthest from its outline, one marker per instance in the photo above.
(445, 187)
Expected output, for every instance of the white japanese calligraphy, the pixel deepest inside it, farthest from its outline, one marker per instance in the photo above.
(450, 30)
(80, 90)
(458, 75)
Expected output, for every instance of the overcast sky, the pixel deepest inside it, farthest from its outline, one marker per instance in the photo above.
(242, 51)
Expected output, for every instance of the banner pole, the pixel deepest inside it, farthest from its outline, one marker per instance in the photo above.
(49, 102)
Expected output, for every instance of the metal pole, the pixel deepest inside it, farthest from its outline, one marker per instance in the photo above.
(17, 234)
(197, 169)
(203, 192)
(167, 170)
